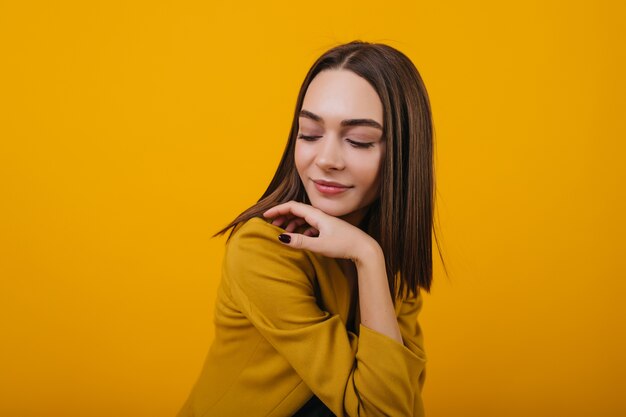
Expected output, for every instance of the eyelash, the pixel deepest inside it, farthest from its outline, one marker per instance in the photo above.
(360, 145)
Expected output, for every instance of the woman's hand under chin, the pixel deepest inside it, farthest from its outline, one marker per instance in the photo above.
(327, 235)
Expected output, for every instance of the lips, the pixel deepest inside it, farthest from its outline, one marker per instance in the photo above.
(330, 183)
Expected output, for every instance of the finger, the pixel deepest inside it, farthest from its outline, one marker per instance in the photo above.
(311, 231)
(278, 221)
(295, 223)
(300, 241)
(309, 213)
(278, 210)
(282, 220)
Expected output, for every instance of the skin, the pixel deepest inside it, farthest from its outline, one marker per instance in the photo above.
(332, 97)
(336, 152)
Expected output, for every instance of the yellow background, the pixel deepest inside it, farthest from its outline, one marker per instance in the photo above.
(131, 131)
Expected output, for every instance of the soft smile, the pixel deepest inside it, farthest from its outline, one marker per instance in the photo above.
(330, 187)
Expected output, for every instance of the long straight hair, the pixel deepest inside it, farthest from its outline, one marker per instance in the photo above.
(401, 218)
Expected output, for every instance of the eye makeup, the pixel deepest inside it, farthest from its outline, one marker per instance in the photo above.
(355, 144)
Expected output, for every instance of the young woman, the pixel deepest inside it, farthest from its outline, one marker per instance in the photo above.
(316, 313)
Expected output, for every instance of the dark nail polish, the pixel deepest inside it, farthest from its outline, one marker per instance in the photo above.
(284, 238)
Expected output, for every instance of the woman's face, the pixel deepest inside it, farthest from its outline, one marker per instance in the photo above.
(340, 141)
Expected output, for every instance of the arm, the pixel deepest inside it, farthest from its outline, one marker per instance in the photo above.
(408, 311)
(366, 375)
(378, 313)
(375, 303)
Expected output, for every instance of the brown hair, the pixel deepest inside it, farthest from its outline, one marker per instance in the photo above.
(401, 219)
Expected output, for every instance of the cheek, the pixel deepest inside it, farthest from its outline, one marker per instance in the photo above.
(300, 158)
(368, 169)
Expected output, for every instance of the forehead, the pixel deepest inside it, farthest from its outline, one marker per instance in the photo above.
(336, 95)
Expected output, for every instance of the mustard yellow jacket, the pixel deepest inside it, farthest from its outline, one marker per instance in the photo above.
(287, 328)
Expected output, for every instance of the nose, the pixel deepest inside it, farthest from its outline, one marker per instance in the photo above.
(329, 155)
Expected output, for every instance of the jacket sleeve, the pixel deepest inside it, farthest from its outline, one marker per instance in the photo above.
(408, 310)
(365, 375)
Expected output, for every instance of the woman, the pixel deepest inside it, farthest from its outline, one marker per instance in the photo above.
(316, 313)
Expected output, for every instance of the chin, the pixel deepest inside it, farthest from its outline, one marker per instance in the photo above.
(332, 208)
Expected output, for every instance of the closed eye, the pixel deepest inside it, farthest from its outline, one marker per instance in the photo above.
(361, 145)
(305, 137)
(355, 144)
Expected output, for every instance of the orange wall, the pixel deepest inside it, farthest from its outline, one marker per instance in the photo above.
(129, 133)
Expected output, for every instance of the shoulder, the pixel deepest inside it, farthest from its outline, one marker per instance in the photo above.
(254, 227)
(254, 245)
(256, 234)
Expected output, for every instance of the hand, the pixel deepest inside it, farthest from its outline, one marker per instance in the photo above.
(328, 235)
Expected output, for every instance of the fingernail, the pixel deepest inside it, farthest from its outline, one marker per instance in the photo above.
(284, 238)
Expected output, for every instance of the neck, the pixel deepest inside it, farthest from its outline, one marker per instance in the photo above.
(356, 217)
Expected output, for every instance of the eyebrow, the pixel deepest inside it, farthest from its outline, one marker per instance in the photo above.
(347, 122)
